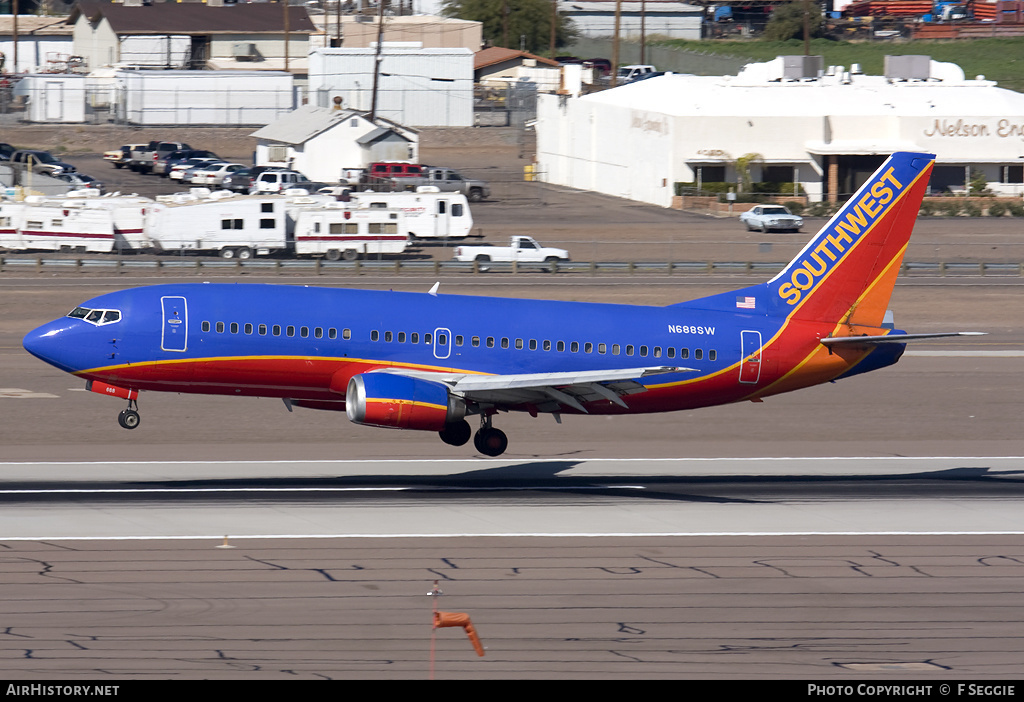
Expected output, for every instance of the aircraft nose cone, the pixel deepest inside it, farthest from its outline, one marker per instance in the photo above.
(46, 344)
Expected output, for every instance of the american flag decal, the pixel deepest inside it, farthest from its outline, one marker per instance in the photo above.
(746, 303)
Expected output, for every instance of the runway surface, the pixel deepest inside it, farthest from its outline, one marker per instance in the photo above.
(869, 529)
(468, 498)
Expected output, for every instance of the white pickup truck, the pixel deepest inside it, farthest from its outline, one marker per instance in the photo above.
(521, 249)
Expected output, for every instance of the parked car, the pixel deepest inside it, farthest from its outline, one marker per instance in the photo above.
(179, 170)
(394, 169)
(627, 74)
(278, 181)
(241, 181)
(771, 218)
(143, 159)
(215, 173)
(163, 164)
(119, 158)
(5, 151)
(41, 162)
(80, 180)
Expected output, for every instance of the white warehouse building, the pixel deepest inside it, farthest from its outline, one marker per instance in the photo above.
(827, 132)
(417, 87)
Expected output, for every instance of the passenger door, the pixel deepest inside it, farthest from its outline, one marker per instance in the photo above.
(174, 334)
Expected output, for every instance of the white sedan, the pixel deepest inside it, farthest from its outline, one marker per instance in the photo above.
(215, 173)
(771, 217)
(178, 169)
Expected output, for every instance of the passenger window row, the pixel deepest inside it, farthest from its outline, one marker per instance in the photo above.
(274, 330)
(560, 346)
(490, 342)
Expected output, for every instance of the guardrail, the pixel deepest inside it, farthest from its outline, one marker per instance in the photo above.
(199, 265)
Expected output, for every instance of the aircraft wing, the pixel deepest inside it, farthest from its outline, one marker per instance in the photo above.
(890, 339)
(547, 391)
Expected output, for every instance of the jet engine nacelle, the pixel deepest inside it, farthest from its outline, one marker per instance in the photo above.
(389, 400)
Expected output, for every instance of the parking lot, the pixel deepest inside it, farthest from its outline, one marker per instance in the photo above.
(592, 227)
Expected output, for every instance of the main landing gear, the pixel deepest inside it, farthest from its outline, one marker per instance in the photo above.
(129, 418)
(487, 440)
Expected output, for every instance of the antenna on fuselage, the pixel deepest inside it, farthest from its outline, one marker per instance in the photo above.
(433, 290)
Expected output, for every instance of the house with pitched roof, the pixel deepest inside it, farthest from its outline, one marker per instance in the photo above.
(497, 66)
(193, 36)
(322, 142)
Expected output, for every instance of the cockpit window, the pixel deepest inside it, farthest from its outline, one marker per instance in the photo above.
(97, 317)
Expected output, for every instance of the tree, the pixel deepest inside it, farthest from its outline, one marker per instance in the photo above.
(787, 21)
(525, 23)
(743, 164)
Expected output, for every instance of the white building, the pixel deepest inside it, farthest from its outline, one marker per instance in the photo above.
(321, 142)
(827, 132)
(44, 43)
(416, 86)
(674, 20)
(214, 98)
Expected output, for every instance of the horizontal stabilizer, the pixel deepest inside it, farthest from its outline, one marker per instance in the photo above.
(891, 339)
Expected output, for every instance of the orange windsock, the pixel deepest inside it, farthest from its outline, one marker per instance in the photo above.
(459, 619)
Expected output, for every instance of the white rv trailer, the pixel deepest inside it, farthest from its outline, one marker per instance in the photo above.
(231, 225)
(11, 217)
(54, 223)
(348, 233)
(64, 224)
(429, 213)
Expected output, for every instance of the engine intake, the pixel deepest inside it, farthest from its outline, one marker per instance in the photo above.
(389, 400)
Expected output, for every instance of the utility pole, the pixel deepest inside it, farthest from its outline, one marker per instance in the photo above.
(14, 10)
(643, 31)
(807, 28)
(284, 4)
(554, 25)
(615, 44)
(377, 59)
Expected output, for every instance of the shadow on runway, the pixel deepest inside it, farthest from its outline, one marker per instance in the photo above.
(538, 481)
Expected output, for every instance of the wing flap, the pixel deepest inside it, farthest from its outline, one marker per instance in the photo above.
(548, 392)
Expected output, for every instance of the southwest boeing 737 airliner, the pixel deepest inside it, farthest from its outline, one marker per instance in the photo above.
(428, 361)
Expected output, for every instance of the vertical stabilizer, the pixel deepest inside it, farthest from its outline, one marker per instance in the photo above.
(847, 272)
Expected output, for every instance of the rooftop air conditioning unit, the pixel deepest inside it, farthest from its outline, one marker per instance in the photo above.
(910, 67)
(243, 51)
(801, 67)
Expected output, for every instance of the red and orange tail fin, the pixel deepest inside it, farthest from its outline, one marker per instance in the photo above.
(847, 272)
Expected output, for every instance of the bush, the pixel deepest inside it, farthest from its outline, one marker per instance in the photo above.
(927, 209)
(950, 208)
(996, 209)
(972, 210)
(794, 206)
(1016, 209)
(821, 209)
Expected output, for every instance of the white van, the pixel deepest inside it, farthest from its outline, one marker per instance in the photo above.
(278, 181)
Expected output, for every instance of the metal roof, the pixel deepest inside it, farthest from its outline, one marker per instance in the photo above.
(301, 125)
(755, 93)
(497, 54)
(195, 18)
